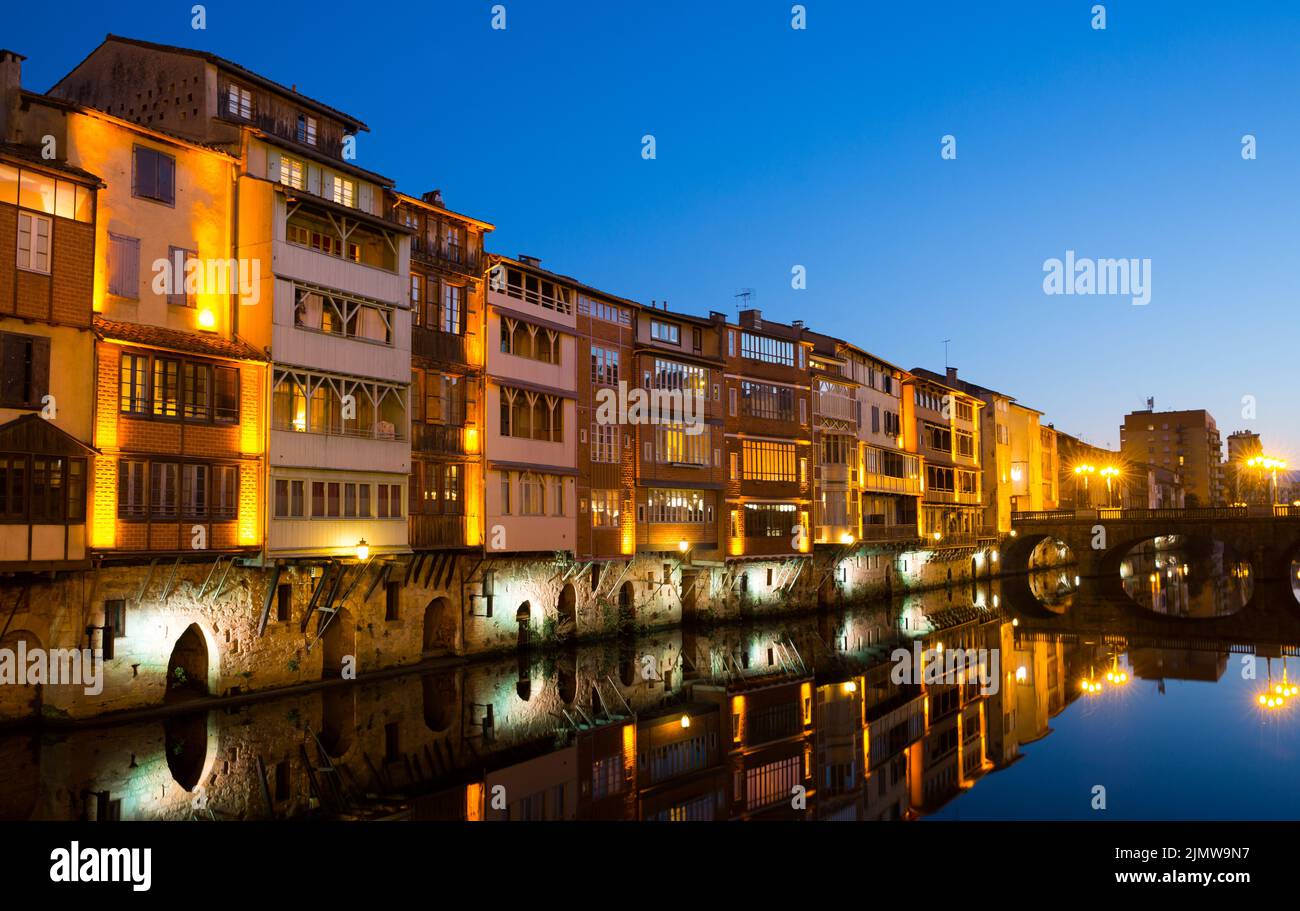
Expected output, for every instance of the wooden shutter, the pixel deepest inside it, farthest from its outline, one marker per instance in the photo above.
(40, 370)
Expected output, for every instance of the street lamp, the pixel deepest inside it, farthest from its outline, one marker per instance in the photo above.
(1272, 466)
(1083, 470)
(1110, 471)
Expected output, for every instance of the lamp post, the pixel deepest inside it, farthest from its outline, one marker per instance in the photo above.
(1110, 471)
(1272, 466)
(1083, 470)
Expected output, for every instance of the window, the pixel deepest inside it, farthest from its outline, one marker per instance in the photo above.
(555, 491)
(964, 411)
(284, 602)
(505, 493)
(533, 289)
(164, 489)
(675, 444)
(672, 375)
(225, 491)
(604, 311)
(179, 259)
(306, 130)
(676, 507)
(604, 508)
(154, 175)
(344, 191)
(226, 394)
(131, 502)
(340, 314)
(25, 379)
(767, 349)
(453, 304)
(532, 497)
(115, 617)
(38, 192)
(763, 400)
(196, 402)
(33, 242)
(838, 449)
(42, 488)
(665, 332)
(239, 102)
(765, 461)
(965, 444)
(291, 171)
(124, 266)
(937, 478)
(166, 380)
(527, 340)
(532, 415)
(392, 601)
(604, 443)
(937, 437)
(769, 520)
(604, 366)
(194, 490)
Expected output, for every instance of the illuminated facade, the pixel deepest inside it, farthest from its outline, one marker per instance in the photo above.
(942, 423)
(47, 243)
(447, 353)
(769, 443)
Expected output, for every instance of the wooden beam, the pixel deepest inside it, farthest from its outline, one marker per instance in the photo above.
(271, 591)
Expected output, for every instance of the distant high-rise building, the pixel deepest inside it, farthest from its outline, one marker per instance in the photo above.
(1184, 441)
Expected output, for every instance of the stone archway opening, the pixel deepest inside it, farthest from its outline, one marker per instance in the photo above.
(187, 668)
(567, 610)
(338, 719)
(439, 627)
(338, 643)
(524, 622)
(627, 607)
(440, 701)
(20, 701)
(185, 740)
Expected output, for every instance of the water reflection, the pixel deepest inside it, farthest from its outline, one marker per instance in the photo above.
(1159, 575)
(797, 718)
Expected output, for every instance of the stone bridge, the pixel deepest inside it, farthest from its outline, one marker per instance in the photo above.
(1098, 539)
(1100, 611)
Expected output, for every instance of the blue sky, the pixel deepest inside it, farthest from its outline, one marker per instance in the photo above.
(821, 148)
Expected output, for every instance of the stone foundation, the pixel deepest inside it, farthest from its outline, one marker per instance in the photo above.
(192, 629)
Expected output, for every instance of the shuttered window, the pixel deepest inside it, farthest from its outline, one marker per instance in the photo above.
(154, 175)
(26, 376)
(124, 266)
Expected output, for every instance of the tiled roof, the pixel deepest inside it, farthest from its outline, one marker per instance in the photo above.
(175, 340)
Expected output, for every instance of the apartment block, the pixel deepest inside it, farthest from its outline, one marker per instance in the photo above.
(769, 439)
(1187, 442)
(447, 355)
(942, 423)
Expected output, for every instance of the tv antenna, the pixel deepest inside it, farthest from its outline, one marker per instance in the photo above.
(945, 354)
(743, 298)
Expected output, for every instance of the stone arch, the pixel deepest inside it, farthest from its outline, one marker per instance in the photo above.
(566, 677)
(338, 719)
(440, 701)
(185, 740)
(567, 610)
(524, 622)
(439, 626)
(627, 607)
(190, 665)
(337, 642)
(20, 701)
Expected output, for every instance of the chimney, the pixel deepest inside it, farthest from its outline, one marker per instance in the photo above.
(11, 84)
(433, 198)
(952, 376)
(751, 319)
(529, 260)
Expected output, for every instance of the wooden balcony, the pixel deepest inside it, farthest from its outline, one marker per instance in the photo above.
(437, 439)
(445, 347)
(460, 260)
(436, 531)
